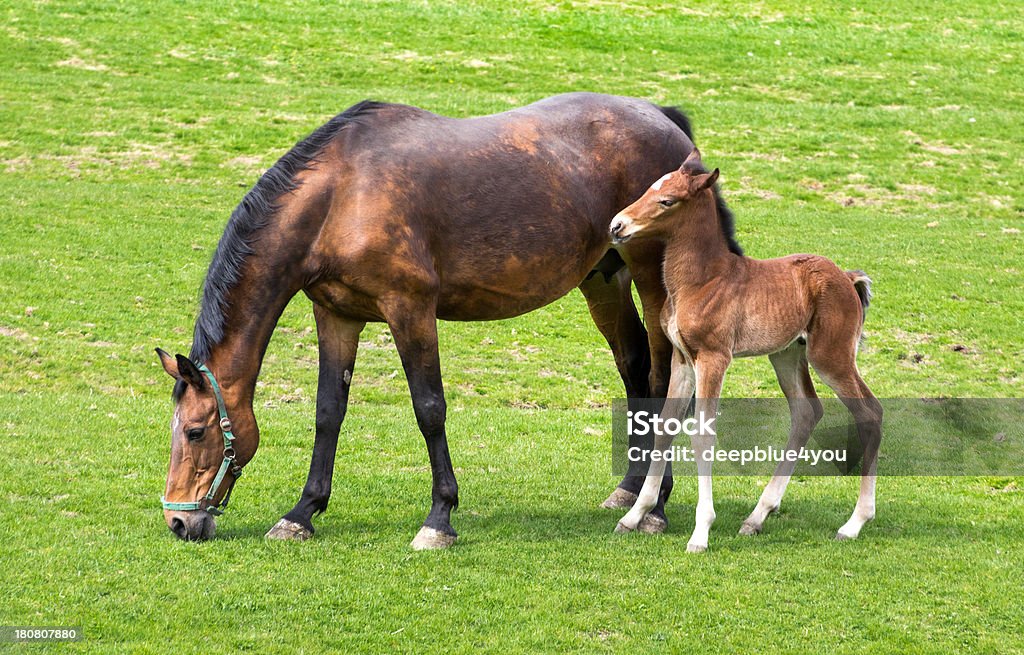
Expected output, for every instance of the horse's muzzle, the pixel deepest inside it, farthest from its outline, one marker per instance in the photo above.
(192, 526)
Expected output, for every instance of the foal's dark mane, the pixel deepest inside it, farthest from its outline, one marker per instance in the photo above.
(725, 216)
(728, 223)
(255, 212)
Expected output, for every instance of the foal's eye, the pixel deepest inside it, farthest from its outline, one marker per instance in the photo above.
(667, 202)
(195, 434)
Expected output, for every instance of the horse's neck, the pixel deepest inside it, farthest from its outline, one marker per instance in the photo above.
(255, 304)
(698, 251)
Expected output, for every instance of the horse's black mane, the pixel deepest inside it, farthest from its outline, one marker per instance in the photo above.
(252, 214)
(682, 121)
(725, 216)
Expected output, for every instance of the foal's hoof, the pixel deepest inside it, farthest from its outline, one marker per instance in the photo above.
(286, 530)
(619, 499)
(696, 548)
(431, 539)
(841, 536)
(651, 524)
(749, 529)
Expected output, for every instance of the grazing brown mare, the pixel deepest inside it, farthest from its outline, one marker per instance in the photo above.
(796, 309)
(391, 213)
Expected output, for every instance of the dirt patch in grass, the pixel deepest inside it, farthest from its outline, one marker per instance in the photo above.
(250, 164)
(867, 195)
(747, 188)
(135, 156)
(14, 333)
(933, 146)
(82, 64)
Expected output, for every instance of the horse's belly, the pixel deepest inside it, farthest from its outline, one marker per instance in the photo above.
(523, 274)
(490, 299)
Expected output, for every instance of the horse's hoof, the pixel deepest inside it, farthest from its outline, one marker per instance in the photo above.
(286, 530)
(696, 548)
(622, 528)
(749, 529)
(651, 524)
(840, 536)
(431, 539)
(619, 499)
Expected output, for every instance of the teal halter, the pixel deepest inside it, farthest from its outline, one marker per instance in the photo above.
(206, 502)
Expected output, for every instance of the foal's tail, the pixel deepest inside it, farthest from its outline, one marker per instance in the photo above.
(862, 285)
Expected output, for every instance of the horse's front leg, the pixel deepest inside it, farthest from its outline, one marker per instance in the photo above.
(414, 327)
(710, 372)
(610, 301)
(338, 339)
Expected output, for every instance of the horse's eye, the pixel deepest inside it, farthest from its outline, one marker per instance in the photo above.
(667, 202)
(195, 434)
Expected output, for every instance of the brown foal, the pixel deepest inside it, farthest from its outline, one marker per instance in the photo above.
(795, 309)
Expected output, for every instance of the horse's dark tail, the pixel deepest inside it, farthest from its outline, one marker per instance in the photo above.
(676, 115)
(862, 285)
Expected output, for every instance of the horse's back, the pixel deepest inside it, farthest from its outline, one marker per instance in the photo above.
(574, 158)
(504, 213)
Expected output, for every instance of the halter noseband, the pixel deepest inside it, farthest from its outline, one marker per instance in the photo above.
(206, 502)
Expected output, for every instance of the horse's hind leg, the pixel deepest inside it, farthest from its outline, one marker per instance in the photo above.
(645, 268)
(338, 339)
(805, 411)
(611, 306)
(610, 301)
(413, 324)
(836, 364)
(638, 517)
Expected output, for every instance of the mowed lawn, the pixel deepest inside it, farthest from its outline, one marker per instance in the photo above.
(887, 136)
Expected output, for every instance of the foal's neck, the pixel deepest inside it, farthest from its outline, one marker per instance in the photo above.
(698, 252)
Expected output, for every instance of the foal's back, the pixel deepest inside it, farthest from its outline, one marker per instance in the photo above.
(788, 298)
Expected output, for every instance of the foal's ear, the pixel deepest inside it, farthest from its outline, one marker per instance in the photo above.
(168, 363)
(693, 159)
(709, 179)
(189, 372)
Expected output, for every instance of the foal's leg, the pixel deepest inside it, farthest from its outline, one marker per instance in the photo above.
(805, 411)
(838, 368)
(414, 327)
(338, 339)
(680, 390)
(710, 370)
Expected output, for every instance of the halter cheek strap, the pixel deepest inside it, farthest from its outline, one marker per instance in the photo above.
(227, 465)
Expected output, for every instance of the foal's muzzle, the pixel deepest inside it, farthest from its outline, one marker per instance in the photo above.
(617, 229)
(192, 526)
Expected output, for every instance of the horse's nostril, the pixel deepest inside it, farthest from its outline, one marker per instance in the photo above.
(616, 228)
(207, 528)
(178, 528)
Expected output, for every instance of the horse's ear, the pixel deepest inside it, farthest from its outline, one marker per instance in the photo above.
(168, 363)
(189, 372)
(712, 177)
(693, 159)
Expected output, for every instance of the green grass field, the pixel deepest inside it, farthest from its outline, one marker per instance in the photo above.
(886, 136)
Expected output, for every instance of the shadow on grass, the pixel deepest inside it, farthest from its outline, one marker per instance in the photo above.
(799, 522)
